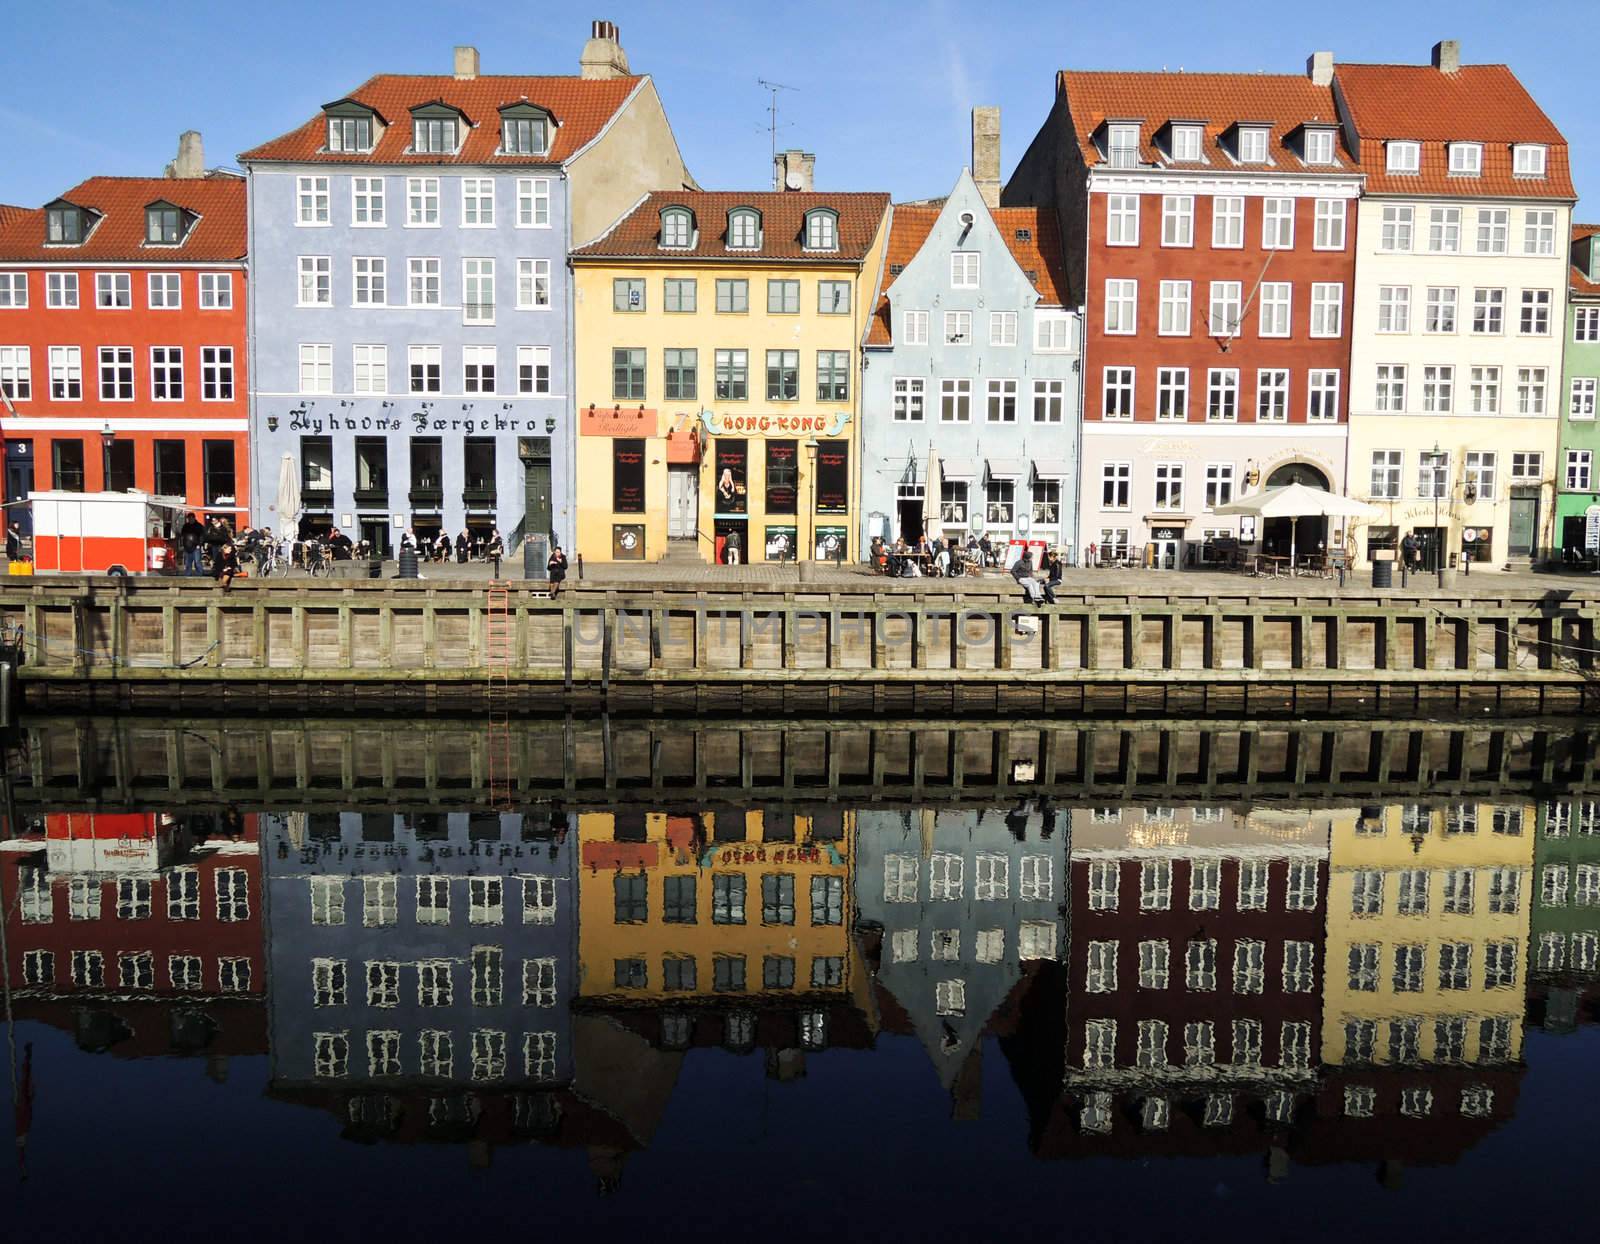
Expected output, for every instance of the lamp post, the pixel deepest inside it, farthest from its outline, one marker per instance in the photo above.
(1438, 549)
(108, 438)
(811, 470)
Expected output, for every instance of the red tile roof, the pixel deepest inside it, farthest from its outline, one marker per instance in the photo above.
(581, 107)
(1476, 103)
(1040, 255)
(1220, 100)
(1581, 284)
(637, 234)
(217, 236)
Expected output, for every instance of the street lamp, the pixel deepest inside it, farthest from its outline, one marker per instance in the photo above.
(108, 437)
(1438, 549)
(811, 470)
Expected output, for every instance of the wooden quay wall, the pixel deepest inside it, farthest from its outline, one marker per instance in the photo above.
(363, 646)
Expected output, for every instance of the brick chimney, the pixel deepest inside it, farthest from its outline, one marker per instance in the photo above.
(1447, 55)
(1319, 68)
(603, 56)
(793, 170)
(191, 161)
(986, 153)
(466, 64)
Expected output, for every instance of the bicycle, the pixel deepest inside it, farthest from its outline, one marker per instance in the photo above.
(269, 558)
(317, 560)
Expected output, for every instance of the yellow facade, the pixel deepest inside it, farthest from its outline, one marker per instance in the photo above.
(680, 949)
(1372, 903)
(699, 435)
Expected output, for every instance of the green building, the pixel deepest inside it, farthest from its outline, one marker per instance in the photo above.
(1564, 968)
(1578, 471)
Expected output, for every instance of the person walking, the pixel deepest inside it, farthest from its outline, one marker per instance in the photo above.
(190, 537)
(556, 568)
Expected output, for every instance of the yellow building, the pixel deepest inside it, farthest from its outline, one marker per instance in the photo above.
(718, 374)
(1428, 918)
(747, 907)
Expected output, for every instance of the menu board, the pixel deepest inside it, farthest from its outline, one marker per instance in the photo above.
(627, 476)
(833, 477)
(781, 476)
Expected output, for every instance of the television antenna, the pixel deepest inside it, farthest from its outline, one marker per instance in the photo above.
(772, 88)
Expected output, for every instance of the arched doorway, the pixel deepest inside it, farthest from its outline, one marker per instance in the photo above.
(1279, 534)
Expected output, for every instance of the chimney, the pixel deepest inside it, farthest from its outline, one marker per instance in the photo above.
(603, 56)
(191, 161)
(1319, 68)
(986, 153)
(466, 64)
(1447, 55)
(793, 169)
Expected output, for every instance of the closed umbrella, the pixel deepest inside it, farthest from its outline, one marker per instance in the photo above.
(288, 497)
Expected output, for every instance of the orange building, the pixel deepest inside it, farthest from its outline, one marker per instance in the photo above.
(122, 339)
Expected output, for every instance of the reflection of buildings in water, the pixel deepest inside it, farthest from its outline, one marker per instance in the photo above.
(728, 926)
(422, 965)
(1564, 973)
(140, 933)
(960, 913)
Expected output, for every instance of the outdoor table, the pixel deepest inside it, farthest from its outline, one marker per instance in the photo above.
(1272, 564)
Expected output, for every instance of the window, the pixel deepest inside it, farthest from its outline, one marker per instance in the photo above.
(1500, 965)
(1386, 468)
(423, 282)
(1528, 159)
(677, 229)
(165, 291)
(744, 230)
(1175, 303)
(1225, 310)
(1054, 332)
(955, 401)
(1049, 400)
(533, 285)
(833, 376)
(61, 289)
(1205, 885)
(538, 900)
(1444, 230)
(1121, 306)
(1438, 388)
(1363, 965)
(1002, 403)
(1219, 484)
(533, 202)
(1037, 879)
(822, 231)
(1169, 486)
(1186, 142)
(777, 899)
(378, 904)
(1394, 231)
(1527, 466)
(1327, 309)
(916, 328)
(1531, 390)
(477, 369)
(1440, 316)
(1227, 222)
(422, 202)
(1535, 318)
(1153, 964)
(1394, 308)
(371, 281)
(1408, 966)
(16, 373)
(1222, 395)
(1403, 157)
(627, 374)
(993, 882)
(727, 973)
(1155, 876)
(116, 373)
(353, 134)
(1122, 220)
(1466, 159)
(327, 900)
(827, 901)
(1484, 390)
(1272, 395)
(14, 290)
(783, 375)
(485, 900)
(727, 898)
(958, 328)
(39, 967)
(477, 291)
(733, 375)
(1494, 224)
(1115, 485)
(1200, 966)
(1172, 394)
(316, 281)
(1277, 224)
(1458, 891)
(1330, 224)
(331, 1053)
(1152, 1048)
(1391, 388)
(113, 291)
(1002, 328)
(1581, 403)
(1177, 220)
(488, 1054)
(539, 982)
(1579, 473)
(1488, 311)
(1252, 145)
(1253, 876)
(316, 369)
(1276, 297)
(1118, 393)
(1455, 965)
(434, 985)
(1479, 475)
(1103, 885)
(833, 298)
(67, 465)
(311, 201)
(366, 202)
(1585, 323)
(1249, 972)
(233, 895)
(681, 369)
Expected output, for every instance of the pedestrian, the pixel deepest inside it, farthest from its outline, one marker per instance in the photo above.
(1408, 551)
(225, 564)
(463, 547)
(556, 568)
(734, 548)
(14, 542)
(190, 537)
(495, 550)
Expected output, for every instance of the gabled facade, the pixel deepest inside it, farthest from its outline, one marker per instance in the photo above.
(1577, 484)
(1461, 277)
(719, 374)
(1209, 229)
(122, 340)
(970, 384)
(412, 318)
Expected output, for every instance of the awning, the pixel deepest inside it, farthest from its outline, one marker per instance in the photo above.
(958, 468)
(1051, 468)
(1007, 468)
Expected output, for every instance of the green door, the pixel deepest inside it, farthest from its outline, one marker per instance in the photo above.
(1524, 522)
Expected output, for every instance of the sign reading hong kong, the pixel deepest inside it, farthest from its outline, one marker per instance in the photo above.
(720, 424)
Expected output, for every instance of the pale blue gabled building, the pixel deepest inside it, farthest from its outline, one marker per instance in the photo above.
(970, 418)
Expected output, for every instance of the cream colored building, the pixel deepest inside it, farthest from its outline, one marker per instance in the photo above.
(1459, 311)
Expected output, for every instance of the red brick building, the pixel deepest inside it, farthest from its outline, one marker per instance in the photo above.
(1208, 223)
(122, 339)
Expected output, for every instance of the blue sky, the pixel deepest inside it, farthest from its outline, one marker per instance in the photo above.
(883, 91)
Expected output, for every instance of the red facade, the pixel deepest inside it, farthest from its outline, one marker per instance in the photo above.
(166, 410)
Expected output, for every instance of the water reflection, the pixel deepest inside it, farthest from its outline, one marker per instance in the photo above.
(1308, 983)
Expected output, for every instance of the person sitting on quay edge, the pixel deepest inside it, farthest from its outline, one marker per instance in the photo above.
(339, 544)
(1024, 566)
(556, 568)
(225, 564)
(1052, 575)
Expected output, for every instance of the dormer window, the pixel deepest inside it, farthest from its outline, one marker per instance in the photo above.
(163, 224)
(1253, 144)
(524, 130)
(1466, 159)
(435, 130)
(1186, 142)
(350, 134)
(822, 230)
(1122, 144)
(1528, 159)
(744, 229)
(677, 228)
(1319, 147)
(64, 226)
(1403, 157)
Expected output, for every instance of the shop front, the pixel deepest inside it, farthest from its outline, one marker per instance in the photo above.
(776, 488)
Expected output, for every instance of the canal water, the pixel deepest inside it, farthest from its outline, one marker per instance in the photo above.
(279, 988)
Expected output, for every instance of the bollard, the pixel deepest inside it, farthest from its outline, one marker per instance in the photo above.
(580, 566)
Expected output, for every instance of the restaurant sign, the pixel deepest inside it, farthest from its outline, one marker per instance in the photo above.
(741, 424)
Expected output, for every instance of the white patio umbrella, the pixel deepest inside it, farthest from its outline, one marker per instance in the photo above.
(1296, 501)
(288, 497)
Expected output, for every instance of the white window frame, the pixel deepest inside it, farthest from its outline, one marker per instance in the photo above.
(1329, 233)
(1122, 220)
(1227, 222)
(1177, 220)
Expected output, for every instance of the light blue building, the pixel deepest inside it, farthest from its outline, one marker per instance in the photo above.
(970, 403)
(410, 307)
